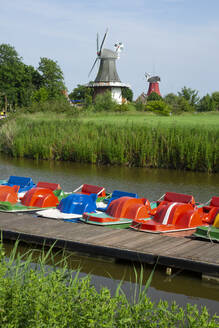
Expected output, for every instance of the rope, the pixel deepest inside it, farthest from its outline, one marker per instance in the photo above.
(208, 234)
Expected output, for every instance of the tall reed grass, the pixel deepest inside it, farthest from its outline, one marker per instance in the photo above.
(159, 145)
(53, 297)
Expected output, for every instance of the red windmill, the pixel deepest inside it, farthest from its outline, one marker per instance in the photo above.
(153, 84)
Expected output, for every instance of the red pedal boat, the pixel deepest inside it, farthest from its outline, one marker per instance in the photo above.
(176, 212)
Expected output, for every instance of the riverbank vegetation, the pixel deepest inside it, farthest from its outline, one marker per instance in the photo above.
(188, 142)
(53, 296)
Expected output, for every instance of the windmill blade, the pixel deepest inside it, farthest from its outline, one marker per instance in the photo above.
(103, 41)
(93, 66)
(97, 43)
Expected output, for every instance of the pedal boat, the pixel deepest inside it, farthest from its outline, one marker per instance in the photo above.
(210, 210)
(102, 205)
(71, 208)
(176, 212)
(210, 233)
(41, 196)
(211, 216)
(9, 194)
(24, 183)
(120, 212)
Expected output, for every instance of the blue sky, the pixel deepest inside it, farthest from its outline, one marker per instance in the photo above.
(176, 39)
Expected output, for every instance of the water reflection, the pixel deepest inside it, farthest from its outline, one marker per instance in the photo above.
(149, 183)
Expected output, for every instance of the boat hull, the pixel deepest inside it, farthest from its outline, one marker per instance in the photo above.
(209, 233)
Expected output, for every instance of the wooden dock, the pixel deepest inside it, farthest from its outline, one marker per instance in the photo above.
(180, 252)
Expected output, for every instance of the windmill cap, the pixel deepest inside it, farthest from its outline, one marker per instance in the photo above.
(154, 79)
(108, 54)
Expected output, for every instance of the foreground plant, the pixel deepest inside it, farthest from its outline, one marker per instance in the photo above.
(42, 296)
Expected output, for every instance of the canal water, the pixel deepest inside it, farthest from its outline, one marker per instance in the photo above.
(183, 287)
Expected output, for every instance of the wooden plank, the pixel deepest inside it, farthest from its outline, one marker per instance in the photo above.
(210, 254)
(7, 222)
(113, 238)
(181, 247)
(197, 251)
(138, 241)
(61, 227)
(188, 249)
(167, 247)
(106, 235)
(155, 243)
(147, 247)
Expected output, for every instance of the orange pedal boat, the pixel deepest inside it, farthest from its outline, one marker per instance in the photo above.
(120, 211)
(9, 194)
(41, 196)
(177, 212)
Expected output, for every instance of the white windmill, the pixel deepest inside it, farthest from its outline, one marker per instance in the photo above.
(107, 77)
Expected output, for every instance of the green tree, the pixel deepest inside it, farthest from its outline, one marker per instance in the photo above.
(178, 104)
(80, 93)
(171, 98)
(8, 55)
(190, 95)
(127, 93)
(215, 98)
(183, 105)
(154, 96)
(40, 95)
(17, 80)
(206, 104)
(52, 78)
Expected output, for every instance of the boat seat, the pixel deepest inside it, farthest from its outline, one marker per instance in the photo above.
(173, 197)
(210, 211)
(119, 193)
(213, 203)
(49, 185)
(91, 189)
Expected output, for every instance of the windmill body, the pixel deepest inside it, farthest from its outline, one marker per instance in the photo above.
(107, 78)
(153, 84)
(107, 69)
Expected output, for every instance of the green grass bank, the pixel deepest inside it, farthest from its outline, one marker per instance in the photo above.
(43, 296)
(186, 142)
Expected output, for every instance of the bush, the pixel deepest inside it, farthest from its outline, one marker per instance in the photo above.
(104, 102)
(59, 106)
(140, 106)
(154, 96)
(127, 93)
(158, 107)
(124, 108)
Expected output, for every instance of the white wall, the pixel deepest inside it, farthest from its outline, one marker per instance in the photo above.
(117, 94)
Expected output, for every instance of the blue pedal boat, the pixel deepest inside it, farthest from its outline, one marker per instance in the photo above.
(24, 183)
(71, 208)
